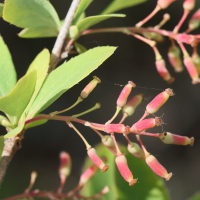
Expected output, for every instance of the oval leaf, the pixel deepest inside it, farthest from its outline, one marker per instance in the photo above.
(67, 75)
(148, 187)
(17, 100)
(116, 5)
(31, 14)
(8, 77)
(90, 21)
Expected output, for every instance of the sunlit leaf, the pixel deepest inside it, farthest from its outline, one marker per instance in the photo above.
(8, 77)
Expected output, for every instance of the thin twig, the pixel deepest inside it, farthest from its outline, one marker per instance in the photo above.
(57, 49)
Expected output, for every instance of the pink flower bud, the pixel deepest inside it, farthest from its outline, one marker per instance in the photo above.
(191, 70)
(146, 124)
(122, 165)
(194, 22)
(162, 70)
(158, 101)
(114, 128)
(189, 4)
(169, 138)
(96, 160)
(164, 3)
(196, 61)
(174, 58)
(89, 172)
(185, 38)
(121, 101)
(136, 150)
(88, 89)
(157, 167)
(109, 143)
(130, 107)
(65, 164)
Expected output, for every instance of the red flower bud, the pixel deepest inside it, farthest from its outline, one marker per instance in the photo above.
(189, 4)
(96, 160)
(117, 128)
(136, 150)
(65, 164)
(174, 58)
(169, 138)
(191, 70)
(194, 22)
(89, 172)
(164, 3)
(158, 101)
(130, 107)
(146, 124)
(109, 143)
(121, 101)
(162, 70)
(122, 165)
(88, 89)
(185, 38)
(157, 167)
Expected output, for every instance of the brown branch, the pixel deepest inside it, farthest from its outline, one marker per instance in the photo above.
(14, 143)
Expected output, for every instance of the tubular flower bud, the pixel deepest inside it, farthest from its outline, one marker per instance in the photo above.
(146, 124)
(109, 143)
(65, 164)
(88, 89)
(130, 107)
(189, 4)
(122, 165)
(191, 70)
(136, 150)
(174, 58)
(196, 61)
(96, 160)
(157, 167)
(89, 172)
(121, 101)
(194, 22)
(169, 138)
(117, 128)
(153, 36)
(162, 70)
(164, 3)
(158, 101)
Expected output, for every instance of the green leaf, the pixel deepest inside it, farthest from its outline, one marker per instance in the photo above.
(1, 145)
(18, 129)
(1, 9)
(36, 123)
(80, 48)
(31, 14)
(38, 33)
(195, 196)
(80, 10)
(148, 187)
(67, 75)
(40, 64)
(8, 77)
(116, 5)
(90, 21)
(17, 100)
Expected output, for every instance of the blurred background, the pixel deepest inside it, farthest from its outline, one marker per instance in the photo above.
(133, 60)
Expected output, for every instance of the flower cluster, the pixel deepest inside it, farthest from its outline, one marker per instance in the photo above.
(138, 128)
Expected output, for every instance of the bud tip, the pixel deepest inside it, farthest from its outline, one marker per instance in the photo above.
(168, 176)
(191, 141)
(105, 168)
(132, 182)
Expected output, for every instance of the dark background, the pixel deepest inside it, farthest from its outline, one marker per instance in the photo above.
(133, 60)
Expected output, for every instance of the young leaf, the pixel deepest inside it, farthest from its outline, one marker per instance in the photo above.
(116, 5)
(38, 33)
(1, 9)
(1, 145)
(31, 14)
(149, 185)
(36, 123)
(67, 75)
(17, 100)
(80, 48)
(18, 129)
(8, 77)
(80, 10)
(40, 64)
(90, 21)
